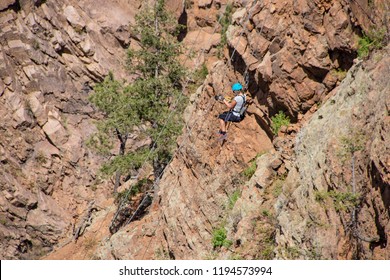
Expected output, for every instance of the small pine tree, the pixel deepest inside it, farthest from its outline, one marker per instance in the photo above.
(152, 101)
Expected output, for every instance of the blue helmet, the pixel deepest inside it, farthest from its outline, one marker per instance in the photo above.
(237, 86)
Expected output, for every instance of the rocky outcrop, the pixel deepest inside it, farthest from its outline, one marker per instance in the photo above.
(330, 208)
(290, 55)
(51, 53)
(280, 209)
(195, 188)
(288, 196)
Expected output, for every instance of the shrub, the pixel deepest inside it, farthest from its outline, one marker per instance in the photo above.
(219, 238)
(250, 170)
(344, 201)
(278, 121)
(135, 189)
(278, 186)
(201, 73)
(355, 141)
(339, 73)
(198, 77)
(370, 41)
(233, 198)
(320, 196)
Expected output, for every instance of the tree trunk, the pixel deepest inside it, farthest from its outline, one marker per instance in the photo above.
(117, 181)
(122, 149)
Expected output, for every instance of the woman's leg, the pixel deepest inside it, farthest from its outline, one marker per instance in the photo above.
(222, 125)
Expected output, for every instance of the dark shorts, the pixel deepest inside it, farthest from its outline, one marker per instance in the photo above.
(229, 117)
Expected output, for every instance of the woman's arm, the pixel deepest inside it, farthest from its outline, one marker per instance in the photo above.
(231, 104)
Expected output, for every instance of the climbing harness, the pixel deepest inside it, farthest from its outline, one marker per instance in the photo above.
(180, 147)
(243, 107)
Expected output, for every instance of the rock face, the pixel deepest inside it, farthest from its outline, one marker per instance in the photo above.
(289, 53)
(194, 190)
(317, 213)
(287, 196)
(50, 55)
(298, 203)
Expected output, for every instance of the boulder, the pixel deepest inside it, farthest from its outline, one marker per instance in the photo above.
(4, 4)
(54, 129)
(23, 198)
(36, 107)
(31, 71)
(338, 29)
(265, 68)
(258, 44)
(44, 148)
(73, 17)
(87, 47)
(17, 44)
(202, 40)
(239, 15)
(316, 58)
(264, 174)
(22, 118)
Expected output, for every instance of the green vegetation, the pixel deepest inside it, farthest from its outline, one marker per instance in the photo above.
(219, 238)
(278, 121)
(266, 213)
(148, 108)
(137, 188)
(343, 201)
(278, 186)
(350, 144)
(251, 169)
(35, 44)
(198, 77)
(292, 252)
(201, 73)
(339, 73)
(188, 4)
(264, 232)
(226, 20)
(373, 39)
(213, 255)
(90, 243)
(314, 253)
(236, 257)
(3, 221)
(320, 196)
(233, 199)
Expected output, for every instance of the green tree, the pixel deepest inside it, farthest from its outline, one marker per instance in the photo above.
(151, 105)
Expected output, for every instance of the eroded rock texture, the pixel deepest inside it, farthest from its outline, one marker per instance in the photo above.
(303, 199)
(51, 54)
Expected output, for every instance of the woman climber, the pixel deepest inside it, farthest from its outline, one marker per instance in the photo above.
(236, 108)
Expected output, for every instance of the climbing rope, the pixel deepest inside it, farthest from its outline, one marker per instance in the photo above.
(164, 127)
(158, 137)
(168, 165)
